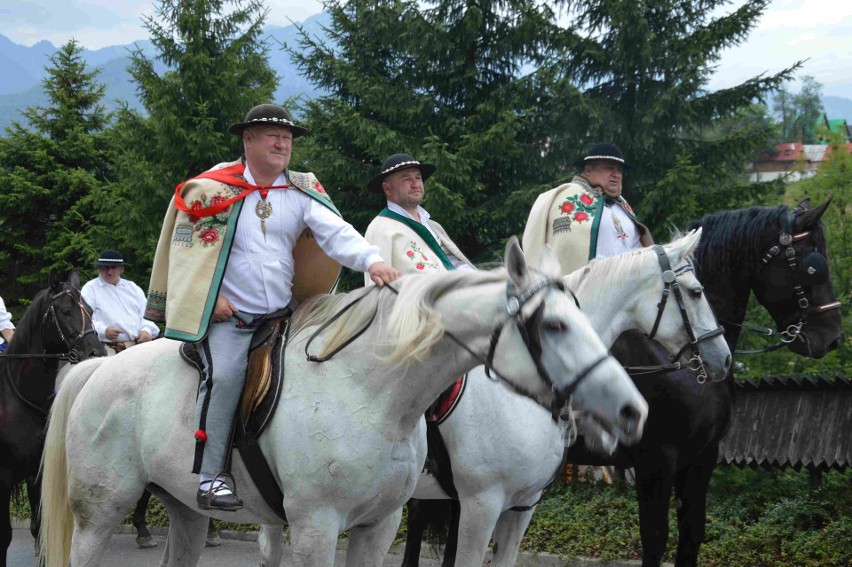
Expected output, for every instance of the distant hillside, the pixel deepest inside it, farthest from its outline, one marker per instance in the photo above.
(23, 69)
(838, 107)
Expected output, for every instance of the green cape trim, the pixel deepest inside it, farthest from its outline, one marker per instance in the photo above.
(423, 233)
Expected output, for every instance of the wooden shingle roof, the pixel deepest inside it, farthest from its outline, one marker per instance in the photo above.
(798, 421)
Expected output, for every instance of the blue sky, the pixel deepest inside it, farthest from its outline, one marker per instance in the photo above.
(790, 30)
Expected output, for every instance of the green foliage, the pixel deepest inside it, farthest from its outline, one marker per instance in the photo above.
(643, 69)
(49, 171)
(799, 113)
(443, 83)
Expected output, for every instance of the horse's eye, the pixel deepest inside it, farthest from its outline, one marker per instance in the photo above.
(555, 326)
(696, 292)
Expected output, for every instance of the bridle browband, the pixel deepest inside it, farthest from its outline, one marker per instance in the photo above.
(786, 238)
(670, 285)
(514, 307)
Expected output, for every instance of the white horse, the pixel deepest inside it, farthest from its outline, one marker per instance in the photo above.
(505, 448)
(347, 442)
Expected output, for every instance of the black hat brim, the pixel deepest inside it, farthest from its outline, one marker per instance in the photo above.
(426, 171)
(580, 164)
(98, 263)
(237, 129)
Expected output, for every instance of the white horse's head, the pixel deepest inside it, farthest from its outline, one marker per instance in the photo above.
(548, 350)
(637, 282)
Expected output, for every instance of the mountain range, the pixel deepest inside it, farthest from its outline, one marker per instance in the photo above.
(23, 70)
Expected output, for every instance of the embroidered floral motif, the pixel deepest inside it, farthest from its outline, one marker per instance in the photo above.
(208, 229)
(416, 255)
(576, 208)
(319, 188)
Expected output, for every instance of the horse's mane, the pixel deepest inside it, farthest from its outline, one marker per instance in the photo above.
(411, 326)
(601, 272)
(28, 329)
(729, 237)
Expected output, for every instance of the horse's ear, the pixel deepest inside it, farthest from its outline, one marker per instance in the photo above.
(516, 262)
(804, 204)
(810, 217)
(74, 278)
(548, 263)
(53, 280)
(685, 246)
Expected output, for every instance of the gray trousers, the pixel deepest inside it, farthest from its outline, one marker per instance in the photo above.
(224, 353)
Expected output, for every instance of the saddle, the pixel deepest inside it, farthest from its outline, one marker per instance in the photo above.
(264, 379)
(438, 461)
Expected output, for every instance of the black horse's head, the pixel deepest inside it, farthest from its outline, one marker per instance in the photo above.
(793, 282)
(67, 320)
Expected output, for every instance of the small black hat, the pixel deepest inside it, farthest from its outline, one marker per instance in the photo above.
(604, 151)
(268, 114)
(109, 258)
(398, 162)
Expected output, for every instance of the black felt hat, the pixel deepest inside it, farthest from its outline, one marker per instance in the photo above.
(268, 114)
(110, 258)
(603, 152)
(398, 162)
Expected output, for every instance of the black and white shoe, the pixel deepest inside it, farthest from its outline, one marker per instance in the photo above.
(215, 495)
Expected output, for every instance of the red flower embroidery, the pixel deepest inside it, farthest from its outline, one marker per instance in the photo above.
(420, 266)
(195, 206)
(585, 199)
(217, 200)
(318, 187)
(410, 254)
(210, 235)
(567, 207)
(581, 216)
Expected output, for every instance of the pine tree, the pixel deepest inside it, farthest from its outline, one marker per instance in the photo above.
(216, 70)
(49, 171)
(447, 84)
(643, 68)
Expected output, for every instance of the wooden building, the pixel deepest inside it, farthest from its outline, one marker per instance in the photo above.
(791, 422)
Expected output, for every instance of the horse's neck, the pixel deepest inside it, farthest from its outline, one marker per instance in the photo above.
(33, 378)
(728, 295)
(612, 313)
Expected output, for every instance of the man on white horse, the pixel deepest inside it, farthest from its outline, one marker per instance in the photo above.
(118, 305)
(587, 218)
(237, 248)
(404, 232)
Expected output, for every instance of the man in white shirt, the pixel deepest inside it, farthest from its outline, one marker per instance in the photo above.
(244, 242)
(7, 329)
(118, 305)
(405, 233)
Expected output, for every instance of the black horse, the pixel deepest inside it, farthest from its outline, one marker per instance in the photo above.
(779, 255)
(57, 326)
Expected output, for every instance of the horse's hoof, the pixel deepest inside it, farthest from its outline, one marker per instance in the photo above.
(213, 540)
(145, 542)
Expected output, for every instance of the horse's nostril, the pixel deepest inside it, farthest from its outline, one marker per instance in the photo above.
(727, 362)
(629, 417)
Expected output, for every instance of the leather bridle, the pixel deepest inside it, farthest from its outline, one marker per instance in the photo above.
(792, 332)
(72, 355)
(527, 327)
(529, 331)
(671, 286)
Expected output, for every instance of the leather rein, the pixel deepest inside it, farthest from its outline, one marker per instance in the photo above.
(671, 286)
(527, 327)
(72, 355)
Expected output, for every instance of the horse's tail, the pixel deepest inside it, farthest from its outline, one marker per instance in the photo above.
(57, 524)
(431, 519)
